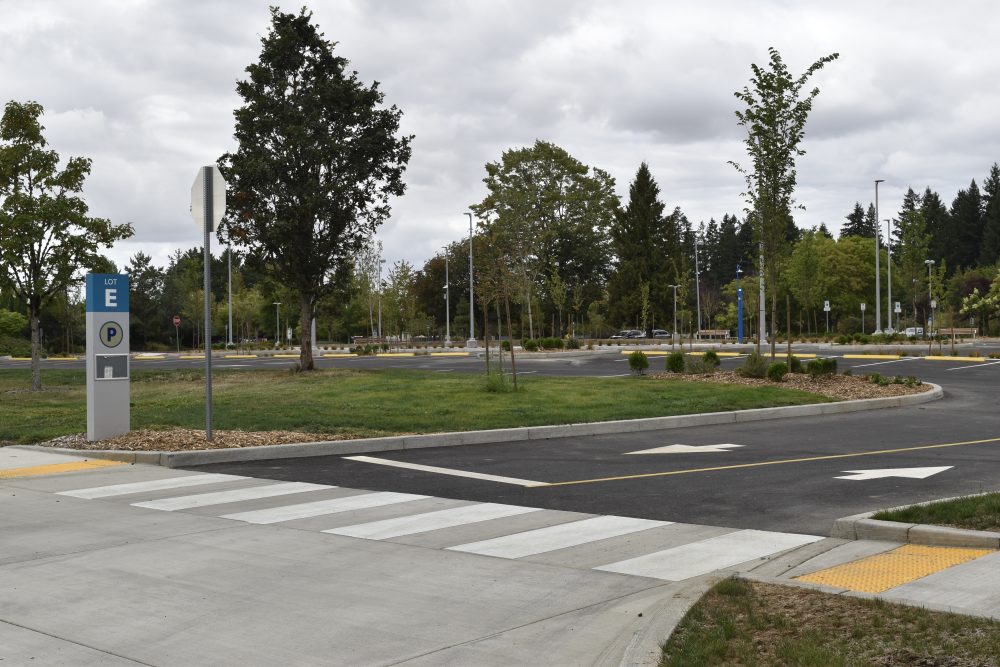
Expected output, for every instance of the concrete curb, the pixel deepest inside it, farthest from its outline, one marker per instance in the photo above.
(863, 527)
(495, 436)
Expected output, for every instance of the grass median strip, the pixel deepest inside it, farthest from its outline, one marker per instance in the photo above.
(981, 512)
(366, 402)
(744, 623)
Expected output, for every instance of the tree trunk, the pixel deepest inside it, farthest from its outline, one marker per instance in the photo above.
(788, 324)
(510, 337)
(36, 346)
(774, 321)
(486, 332)
(305, 336)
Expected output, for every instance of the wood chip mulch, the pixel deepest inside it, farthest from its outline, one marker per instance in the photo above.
(840, 387)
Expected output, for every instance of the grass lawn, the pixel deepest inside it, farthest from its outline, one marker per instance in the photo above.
(975, 512)
(365, 403)
(744, 623)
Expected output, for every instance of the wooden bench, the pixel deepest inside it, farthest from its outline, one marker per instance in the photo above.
(957, 332)
(713, 333)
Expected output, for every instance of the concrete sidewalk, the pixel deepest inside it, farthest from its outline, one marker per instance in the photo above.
(135, 564)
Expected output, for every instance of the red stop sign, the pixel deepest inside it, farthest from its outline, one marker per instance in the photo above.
(177, 320)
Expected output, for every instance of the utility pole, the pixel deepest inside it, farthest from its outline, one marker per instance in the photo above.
(697, 286)
(447, 302)
(472, 313)
(878, 270)
(889, 305)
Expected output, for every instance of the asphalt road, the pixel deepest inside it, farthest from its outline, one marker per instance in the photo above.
(784, 476)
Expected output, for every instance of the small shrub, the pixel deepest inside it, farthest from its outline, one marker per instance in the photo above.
(875, 378)
(898, 379)
(572, 344)
(794, 364)
(530, 345)
(847, 372)
(505, 345)
(776, 371)
(912, 381)
(711, 357)
(590, 346)
(638, 362)
(755, 366)
(675, 362)
(550, 343)
(497, 382)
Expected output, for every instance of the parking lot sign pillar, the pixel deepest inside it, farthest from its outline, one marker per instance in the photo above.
(108, 387)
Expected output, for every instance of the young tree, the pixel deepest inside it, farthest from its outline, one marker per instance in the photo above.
(775, 118)
(317, 160)
(46, 236)
(146, 302)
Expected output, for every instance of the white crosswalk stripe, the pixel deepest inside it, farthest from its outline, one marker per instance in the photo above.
(422, 523)
(716, 553)
(236, 495)
(562, 536)
(152, 485)
(674, 564)
(323, 507)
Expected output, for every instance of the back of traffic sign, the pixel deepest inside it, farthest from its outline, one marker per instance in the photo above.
(208, 183)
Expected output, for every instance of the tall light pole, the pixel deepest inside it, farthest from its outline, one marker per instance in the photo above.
(673, 335)
(277, 323)
(229, 259)
(380, 263)
(889, 306)
(878, 270)
(739, 304)
(930, 297)
(697, 284)
(447, 302)
(472, 313)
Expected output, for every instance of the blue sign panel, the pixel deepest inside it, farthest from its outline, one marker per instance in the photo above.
(107, 293)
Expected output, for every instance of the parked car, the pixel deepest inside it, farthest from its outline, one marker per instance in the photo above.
(913, 331)
(629, 333)
(660, 333)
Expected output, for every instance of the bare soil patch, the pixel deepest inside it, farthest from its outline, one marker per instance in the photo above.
(184, 439)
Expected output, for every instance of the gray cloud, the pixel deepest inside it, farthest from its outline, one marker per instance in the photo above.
(147, 91)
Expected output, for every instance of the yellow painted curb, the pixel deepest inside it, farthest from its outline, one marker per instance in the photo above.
(699, 353)
(450, 354)
(285, 356)
(396, 354)
(345, 355)
(63, 358)
(20, 358)
(55, 468)
(191, 356)
(872, 356)
(879, 573)
(808, 355)
(971, 359)
(240, 356)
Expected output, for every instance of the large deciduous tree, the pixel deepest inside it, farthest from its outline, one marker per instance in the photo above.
(46, 236)
(318, 158)
(775, 118)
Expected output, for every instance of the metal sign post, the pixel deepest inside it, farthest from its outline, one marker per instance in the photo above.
(208, 204)
(108, 386)
(826, 308)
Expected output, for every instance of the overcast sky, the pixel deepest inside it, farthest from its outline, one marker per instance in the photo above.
(146, 89)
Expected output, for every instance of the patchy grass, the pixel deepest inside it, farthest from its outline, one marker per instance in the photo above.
(748, 623)
(974, 512)
(364, 403)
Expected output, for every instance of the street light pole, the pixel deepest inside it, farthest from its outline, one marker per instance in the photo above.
(697, 286)
(930, 297)
(447, 302)
(229, 258)
(739, 304)
(380, 263)
(472, 313)
(277, 322)
(878, 270)
(673, 335)
(889, 306)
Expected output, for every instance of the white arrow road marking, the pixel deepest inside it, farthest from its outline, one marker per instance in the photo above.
(686, 449)
(912, 473)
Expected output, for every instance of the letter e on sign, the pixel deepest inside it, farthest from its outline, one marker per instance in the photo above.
(111, 298)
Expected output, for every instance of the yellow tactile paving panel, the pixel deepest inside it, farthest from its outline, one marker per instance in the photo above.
(55, 468)
(881, 572)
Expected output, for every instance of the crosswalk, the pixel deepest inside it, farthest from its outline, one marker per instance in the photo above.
(645, 548)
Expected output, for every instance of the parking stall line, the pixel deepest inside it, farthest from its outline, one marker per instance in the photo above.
(962, 368)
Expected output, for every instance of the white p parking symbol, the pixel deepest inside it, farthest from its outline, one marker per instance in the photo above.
(111, 334)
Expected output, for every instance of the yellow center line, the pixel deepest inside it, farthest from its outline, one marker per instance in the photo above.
(758, 464)
(55, 468)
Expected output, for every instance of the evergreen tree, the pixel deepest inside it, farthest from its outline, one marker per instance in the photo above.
(824, 231)
(643, 241)
(990, 250)
(859, 223)
(936, 219)
(966, 223)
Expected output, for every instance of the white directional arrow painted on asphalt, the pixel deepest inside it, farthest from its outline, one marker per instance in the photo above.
(686, 449)
(912, 473)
